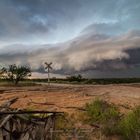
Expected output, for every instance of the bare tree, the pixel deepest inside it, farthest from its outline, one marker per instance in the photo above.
(48, 67)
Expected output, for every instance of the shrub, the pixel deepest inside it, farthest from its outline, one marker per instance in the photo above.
(109, 119)
(100, 111)
(105, 115)
(77, 78)
(129, 126)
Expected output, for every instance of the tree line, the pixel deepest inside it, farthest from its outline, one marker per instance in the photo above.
(16, 73)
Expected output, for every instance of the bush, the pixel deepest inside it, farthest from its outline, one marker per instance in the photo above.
(100, 111)
(129, 126)
(110, 122)
(105, 115)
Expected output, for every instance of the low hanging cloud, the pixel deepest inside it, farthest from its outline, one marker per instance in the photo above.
(87, 52)
(100, 38)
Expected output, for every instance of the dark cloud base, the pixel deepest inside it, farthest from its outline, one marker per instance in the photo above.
(103, 57)
(98, 38)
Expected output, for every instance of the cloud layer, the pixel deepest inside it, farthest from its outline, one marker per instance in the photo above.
(43, 21)
(97, 38)
(88, 52)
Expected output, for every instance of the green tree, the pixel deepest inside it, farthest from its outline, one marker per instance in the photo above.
(16, 73)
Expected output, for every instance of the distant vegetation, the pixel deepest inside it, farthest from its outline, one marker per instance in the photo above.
(112, 81)
(79, 80)
(15, 74)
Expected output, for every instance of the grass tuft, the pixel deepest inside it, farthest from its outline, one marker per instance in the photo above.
(129, 126)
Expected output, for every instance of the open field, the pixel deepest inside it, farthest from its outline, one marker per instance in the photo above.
(68, 98)
(72, 100)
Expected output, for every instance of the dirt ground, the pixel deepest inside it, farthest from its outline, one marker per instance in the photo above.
(68, 98)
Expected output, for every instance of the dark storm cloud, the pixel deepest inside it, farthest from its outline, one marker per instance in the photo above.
(58, 20)
(106, 55)
(98, 35)
(33, 18)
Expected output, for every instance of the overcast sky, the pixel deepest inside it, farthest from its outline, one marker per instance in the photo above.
(98, 38)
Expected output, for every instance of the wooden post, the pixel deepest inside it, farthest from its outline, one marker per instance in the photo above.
(48, 67)
(1, 135)
(48, 76)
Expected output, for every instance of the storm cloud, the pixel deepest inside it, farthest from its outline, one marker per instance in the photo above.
(49, 21)
(88, 52)
(97, 38)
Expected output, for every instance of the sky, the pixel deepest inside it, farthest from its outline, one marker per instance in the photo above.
(96, 38)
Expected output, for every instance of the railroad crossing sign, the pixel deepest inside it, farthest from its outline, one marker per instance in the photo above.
(48, 67)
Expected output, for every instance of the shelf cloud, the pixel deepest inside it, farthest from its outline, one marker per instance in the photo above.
(96, 38)
(97, 52)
